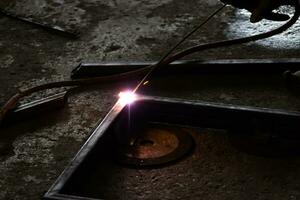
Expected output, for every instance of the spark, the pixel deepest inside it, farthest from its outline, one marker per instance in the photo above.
(127, 97)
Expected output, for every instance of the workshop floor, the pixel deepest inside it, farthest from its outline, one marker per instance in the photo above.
(35, 152)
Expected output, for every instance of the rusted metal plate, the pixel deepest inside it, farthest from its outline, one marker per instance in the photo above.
(155, 145)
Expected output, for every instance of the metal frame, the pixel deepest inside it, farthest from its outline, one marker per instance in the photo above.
(175, 111)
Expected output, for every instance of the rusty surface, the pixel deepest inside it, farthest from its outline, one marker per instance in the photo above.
(155, 145)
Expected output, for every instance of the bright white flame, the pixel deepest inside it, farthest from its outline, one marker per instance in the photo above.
(127, 97)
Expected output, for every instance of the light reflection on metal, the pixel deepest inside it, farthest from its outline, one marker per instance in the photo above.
(127, 97)
(146, 82)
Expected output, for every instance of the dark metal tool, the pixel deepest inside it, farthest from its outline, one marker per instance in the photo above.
(35, 108)
(56, 29)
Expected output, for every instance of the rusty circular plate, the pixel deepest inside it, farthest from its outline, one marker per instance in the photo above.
(155, 145)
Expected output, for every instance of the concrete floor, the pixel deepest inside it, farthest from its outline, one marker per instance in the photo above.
(35, 152)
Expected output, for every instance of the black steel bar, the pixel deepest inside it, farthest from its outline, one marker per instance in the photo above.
(266, 66)
(35, 108)
(48, 27)
(215, 115)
